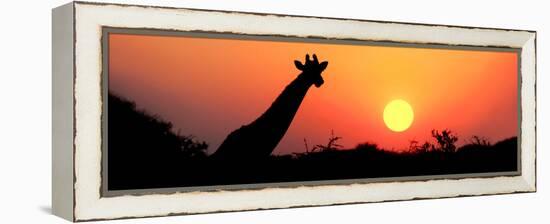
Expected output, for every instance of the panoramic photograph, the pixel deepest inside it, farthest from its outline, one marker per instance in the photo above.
(224, 110)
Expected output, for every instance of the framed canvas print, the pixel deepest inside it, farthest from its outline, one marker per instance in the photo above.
(165, 111)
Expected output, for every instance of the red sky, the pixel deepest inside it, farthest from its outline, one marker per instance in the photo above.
(209, 87)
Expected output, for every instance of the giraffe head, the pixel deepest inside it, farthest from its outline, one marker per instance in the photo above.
(312, 69)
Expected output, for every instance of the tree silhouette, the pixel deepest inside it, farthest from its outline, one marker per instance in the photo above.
(331, 144)
(446, 140)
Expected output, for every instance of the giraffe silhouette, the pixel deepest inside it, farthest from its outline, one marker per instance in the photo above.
(259, 138)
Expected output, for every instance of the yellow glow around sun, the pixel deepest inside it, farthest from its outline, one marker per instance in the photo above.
(398, 115)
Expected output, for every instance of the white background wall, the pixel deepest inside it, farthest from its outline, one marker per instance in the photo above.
(25, 114)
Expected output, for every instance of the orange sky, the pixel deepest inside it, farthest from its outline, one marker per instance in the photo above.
(209, 87)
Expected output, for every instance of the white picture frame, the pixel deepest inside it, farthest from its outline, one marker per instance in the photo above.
(77, 111)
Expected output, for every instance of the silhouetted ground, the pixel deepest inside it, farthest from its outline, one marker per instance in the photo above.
(144, 152)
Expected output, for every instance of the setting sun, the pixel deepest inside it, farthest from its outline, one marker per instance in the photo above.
(398, 115)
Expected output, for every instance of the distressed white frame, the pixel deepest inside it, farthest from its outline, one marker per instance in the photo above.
(90, 18)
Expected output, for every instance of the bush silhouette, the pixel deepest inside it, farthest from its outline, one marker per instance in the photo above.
(446, 140)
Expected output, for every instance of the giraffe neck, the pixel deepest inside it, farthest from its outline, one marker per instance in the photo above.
(261, 137)
(282, 111)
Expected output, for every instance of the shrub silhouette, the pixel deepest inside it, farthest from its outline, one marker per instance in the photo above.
(367, 146)
(446, 140)
(331, 144)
